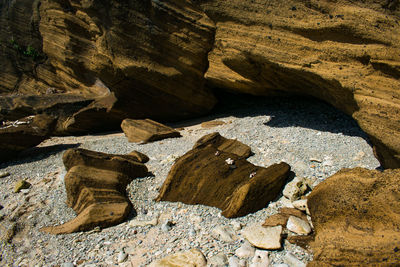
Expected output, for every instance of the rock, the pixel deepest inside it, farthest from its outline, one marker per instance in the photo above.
(219, 260)
(221, 143)
(67, 264)
(212, 124)
(166, 226)
(22, 134)
(95, 186)
(282, 217)
(292, 261)
(147, 130)
(296, 188)
(8, 230)
(300, 204)
(245, 251)
(301, 240)
(298, 226)
(4, 174)
(21, 184)
(236, 225)
(263, 237)
(122, 256)
(281, 265)
(223, 233)
(193, 257)
(235, 262)
(231, 190)
(338, 52)
(139, 223)
(25, 191)
(260, 259)
(355, 214)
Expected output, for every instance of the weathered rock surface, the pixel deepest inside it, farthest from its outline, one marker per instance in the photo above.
(282, 217)
(193, 258)
(356, 217)
(147, 130)
(211, 174)
(345, 53)
(22, 134)
(95, 186)
(263, 237)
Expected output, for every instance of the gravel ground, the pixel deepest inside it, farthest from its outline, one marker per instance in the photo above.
(297, 131)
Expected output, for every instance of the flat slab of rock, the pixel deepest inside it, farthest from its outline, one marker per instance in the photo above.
(147, 130)
(356, 218)
(212, 124)
(282, 217)
(263, 237)
(95, 186)
(191, 258)
(210, 175)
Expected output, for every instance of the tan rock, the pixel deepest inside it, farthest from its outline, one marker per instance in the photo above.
(298, 226)
(282, 217)
(356, 218)
(147, 131)
(263, 237)
(20, 185)
(231, 189)
(212, 124)
(95, 186)
(191, 258)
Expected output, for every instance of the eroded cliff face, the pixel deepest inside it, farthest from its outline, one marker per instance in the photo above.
(159, 57)
(345, 53)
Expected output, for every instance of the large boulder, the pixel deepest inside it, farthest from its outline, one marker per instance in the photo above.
(356, 216)
(210, 175)
(19, 135)
(95, 186)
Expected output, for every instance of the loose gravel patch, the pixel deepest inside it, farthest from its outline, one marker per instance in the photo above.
(313, 138)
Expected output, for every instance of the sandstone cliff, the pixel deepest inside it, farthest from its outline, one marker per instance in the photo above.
(159, 57)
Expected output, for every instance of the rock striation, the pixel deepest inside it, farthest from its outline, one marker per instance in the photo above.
(95, 186)
(145, 131)
(356, 216)
(216, 173)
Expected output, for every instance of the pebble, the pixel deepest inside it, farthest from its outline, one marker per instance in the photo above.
(236, 225)
(300, 204)
(67, 264)
(260, 259)
(122, 256)
(224, 233)
(166, 226)
(218, 260)
(298, 226)
(235, 262)
(292, 261)
(245, 251)
(295, 188)
(4, 174)
(21, 184)
(263, 237)
(193, 257)
(139, 223)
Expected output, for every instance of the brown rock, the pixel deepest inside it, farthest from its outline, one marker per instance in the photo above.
(282, 217)
(203, 176)
(223, 144)
(95, 186)
(356, 217)
(147, 131)
(22, 134)
(212, 124)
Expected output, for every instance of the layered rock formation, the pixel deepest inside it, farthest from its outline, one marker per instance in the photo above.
(95, 185)
(216, 173)
(147, 130)
(154, 55)
(356, 216)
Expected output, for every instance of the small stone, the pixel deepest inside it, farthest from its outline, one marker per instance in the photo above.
(230, 161)
(245, 251)
(218, 260)
(139, 223)
(224, 233)
(295, 189)
(4, 174)
(67, 264)
(280, 265)
(292, 261)
(25, 191)
(166, 226)
(298, 226)
(300, 204)
(260, 259)
(263, 237)
(21, 184)
(235, 262)
(315, 160)
(193, 257)
(236, 225)
(211, 124)
(122, 256)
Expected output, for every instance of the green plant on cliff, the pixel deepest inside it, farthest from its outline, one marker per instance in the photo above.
(27, 51)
